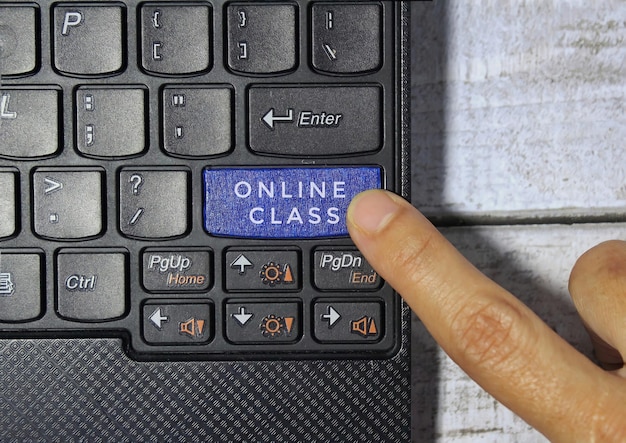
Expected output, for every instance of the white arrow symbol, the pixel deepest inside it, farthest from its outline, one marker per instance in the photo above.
(243, 317)
(332, 316)
(269, 119)
(241, 262)
(158, 319)
(52, 185)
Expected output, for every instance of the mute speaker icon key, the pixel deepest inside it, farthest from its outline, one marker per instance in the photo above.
(170, 322)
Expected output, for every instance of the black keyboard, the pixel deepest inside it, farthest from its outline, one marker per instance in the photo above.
(176, 174)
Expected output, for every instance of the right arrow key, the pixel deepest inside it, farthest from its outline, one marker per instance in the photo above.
(332, 317)
(347, 322)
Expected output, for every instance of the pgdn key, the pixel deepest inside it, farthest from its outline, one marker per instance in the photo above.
(343, 269)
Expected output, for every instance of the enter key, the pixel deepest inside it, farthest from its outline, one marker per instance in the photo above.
(314, 120)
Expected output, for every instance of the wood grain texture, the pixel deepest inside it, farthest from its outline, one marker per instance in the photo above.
(519, 108)
(517, 116)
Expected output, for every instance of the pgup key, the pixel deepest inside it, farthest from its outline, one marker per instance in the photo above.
(177, 270)
(171, 262)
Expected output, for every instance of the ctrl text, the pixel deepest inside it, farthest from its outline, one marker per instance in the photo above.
(82, 283)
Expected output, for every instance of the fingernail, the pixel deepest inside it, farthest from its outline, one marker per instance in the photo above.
(372, 210)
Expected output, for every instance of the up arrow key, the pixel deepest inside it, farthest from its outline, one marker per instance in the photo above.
(242, 263)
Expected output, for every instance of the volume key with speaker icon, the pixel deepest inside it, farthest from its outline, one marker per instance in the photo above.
(174, 323)
(348, 322)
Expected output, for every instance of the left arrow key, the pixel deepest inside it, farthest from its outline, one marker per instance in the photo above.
(157, 318)
(177, 322)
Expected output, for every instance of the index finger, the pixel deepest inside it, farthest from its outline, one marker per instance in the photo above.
(494, 337)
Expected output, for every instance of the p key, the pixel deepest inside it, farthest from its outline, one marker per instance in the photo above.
(89, 39)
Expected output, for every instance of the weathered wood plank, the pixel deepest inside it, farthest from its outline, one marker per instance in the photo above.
(519, 109)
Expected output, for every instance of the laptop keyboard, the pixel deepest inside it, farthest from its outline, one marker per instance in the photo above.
(176, 174)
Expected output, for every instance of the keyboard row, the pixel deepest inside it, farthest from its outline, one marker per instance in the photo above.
(196, 120)
(91, 285)
(259, 38)
(70, 203)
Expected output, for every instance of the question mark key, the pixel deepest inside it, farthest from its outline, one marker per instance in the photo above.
(136, 180)
(154, 202)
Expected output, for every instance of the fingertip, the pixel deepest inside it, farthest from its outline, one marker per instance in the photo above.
(606, 256)
(597, 286)
(371, 211)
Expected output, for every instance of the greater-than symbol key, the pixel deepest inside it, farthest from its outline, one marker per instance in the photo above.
(52, 185)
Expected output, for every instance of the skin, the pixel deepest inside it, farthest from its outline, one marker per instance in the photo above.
(493, 336)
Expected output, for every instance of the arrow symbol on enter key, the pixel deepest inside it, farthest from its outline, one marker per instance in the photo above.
(269, 118)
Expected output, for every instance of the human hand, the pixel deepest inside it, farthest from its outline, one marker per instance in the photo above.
(493, 336)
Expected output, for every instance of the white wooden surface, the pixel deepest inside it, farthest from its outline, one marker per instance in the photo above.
(518, 114)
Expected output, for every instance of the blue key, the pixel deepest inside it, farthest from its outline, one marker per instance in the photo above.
(307, 202)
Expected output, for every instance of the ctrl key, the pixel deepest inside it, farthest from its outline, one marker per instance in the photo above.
(91, 284)
(20, 285)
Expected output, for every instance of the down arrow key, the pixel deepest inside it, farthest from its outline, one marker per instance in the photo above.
(243, 317)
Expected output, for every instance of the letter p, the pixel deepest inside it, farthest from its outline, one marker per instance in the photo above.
(72, 18)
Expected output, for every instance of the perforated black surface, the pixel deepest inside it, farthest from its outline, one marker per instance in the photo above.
(88, 390)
